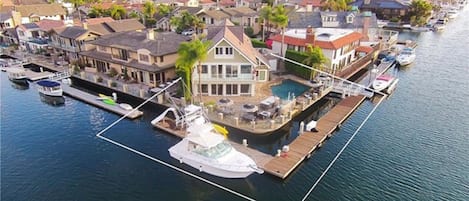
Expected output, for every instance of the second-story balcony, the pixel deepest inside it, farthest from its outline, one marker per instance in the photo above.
(226, 77)
(39, 41)
(63, 46)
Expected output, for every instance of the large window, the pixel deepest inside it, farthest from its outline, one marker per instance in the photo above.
(120, 54)
(204, 89)
(246, 69)
(231, 89)
(217, 89)
(217, 71)
(231, 71)
(245, 89)
(204, 69)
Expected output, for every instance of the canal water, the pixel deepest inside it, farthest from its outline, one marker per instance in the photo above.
(414, 147)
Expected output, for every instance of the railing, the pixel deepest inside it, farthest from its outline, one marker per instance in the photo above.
(60, 75)
(214, 77)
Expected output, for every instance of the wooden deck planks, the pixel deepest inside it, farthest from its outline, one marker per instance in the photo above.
(307, 142)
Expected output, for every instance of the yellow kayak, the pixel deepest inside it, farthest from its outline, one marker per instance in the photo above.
(222, 130)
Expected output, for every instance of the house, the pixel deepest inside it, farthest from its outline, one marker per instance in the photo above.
(245, 17)
(71, 40)
(37, 12)
(233, 66)
(213, 17)
(8, 37)
(253, 4)
(207, 4)
(364, 22)
(148, 57)
(6, 20)
(307, 5)
(189, 3)
(34, 37)
(338, 45)
(384, 9)
(163, 22)
(226, 3)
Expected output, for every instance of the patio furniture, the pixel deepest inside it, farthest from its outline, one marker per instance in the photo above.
(248, 117)
(250, 108)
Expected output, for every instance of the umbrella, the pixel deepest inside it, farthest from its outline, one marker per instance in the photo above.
(250, 108)
(225, 102)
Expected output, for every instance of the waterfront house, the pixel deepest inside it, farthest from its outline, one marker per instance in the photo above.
(384, 9)
(8, 37)
(365, 22)
(37, 12)
(338, 45)
(233, 66)
(69, 41)
(147, 57)
(34, 37)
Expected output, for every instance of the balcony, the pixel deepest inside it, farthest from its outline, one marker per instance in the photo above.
(39, 41)
(224, 77)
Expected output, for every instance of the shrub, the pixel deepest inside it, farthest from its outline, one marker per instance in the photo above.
(113, 84)
(112, 72)
(258, 44)
(249, 31)
(295, 69)
(76, 69)
(100, 79)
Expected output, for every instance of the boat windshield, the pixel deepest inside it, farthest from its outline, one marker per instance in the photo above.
(217, 151)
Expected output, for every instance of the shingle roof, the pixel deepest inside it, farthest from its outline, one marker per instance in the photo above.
(30, 26)
(216, 14)
(5, 16)
(71, 32)
(125, 25)
(191, 10)
(98, 20)
(164, 43)
(240, 11)
(41, 9)
(47, 24)
(305, 19)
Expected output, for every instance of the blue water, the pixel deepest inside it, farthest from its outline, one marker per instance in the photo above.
(414, 147)
(288, 87)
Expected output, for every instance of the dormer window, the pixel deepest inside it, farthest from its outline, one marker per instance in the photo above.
(143, 58)
(350, 18)
(224, 52)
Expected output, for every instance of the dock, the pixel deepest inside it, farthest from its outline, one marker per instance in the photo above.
(303, 146)
(91, 99)
(34, 76)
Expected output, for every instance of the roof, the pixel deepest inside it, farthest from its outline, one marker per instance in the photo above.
(203, 135)
(27, 2)
(4, 16)
(391, 4)
(191, 10)
(216, 14)
(337, 41)
(313, 19)
(47, 24)
(71, 32)
(164, 43)
(366, 49)
(315, 3)
(236, 37)
(98, 20)
(206, 2)
(240, 11)
(41, 9)
(227, 3)
(29, 26)
(48, 83)
(125, 25)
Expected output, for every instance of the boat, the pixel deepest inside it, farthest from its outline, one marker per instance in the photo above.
(406, 56)
(439, 25)
(383, 82)
(109, 101)
(17, 76)
(220, 129)
(453, 13)
(49, 88)
(125, 106)
(204, 147)
(311, 126)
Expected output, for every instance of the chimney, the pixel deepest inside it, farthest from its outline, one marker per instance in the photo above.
(366, 25)
(310, 38)
(150, 34)
(85, 25)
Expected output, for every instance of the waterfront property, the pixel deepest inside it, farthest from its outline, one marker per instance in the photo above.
(23, 14)
(233, 66)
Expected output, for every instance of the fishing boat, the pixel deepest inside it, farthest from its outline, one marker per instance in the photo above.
(17, 76)
(49, 88)
(383, 82)
(204, 148)
(406, 56)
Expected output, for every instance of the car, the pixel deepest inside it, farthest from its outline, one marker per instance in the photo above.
(188, 32)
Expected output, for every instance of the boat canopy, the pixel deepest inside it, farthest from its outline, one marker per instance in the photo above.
(48, 83)
(203, 135)
(384, 77)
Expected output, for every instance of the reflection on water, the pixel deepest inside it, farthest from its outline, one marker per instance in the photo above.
(20, 86)
(54, 101)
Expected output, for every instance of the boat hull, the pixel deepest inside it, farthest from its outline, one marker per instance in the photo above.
(20, 81)
(56, 93)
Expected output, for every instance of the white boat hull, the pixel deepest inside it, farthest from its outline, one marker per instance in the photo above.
(54, 93)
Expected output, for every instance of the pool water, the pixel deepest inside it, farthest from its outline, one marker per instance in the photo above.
(289, 86)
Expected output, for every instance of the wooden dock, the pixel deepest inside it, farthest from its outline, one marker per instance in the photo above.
(303, 146)
(33, 76)
(91, 99)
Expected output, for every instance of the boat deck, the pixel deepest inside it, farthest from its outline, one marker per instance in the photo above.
(303, 146)
(91, 99)
(33, 76)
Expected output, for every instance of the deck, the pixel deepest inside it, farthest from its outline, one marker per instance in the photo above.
(33, 76)
(91, 99)
(302, 147)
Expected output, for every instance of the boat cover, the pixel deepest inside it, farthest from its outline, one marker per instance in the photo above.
(48, 83)
(384, 78)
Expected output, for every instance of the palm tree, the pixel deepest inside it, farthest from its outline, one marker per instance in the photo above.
(315, 58)
(191, 53)
(117, 12)
(149, 10)
(266, 18)
(280, 18)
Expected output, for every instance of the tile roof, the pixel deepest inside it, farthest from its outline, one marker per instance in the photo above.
(227, 3)
(207, 2)
(191, 10)
(98, 20)
(163, 44)
(334, 44)
(315, 3)
(41, 9)
(216, 14)
(47, 25)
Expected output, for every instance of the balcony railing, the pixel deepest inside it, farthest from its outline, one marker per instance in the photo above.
(219, 77)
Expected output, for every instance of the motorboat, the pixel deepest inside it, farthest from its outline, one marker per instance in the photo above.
(17, 76)
(439, 25)
(204, 147)
(406, 56)
(49, 88)
(125, 106)
(208, 151)
(382, 82)
(451, 14)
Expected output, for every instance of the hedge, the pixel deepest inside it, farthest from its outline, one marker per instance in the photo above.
(258, 44)
(296, 69)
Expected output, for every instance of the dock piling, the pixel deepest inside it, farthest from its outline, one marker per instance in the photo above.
(302, 127)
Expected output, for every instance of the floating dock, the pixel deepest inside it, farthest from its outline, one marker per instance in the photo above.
(33, 76)
(92, 100)
(303, 146)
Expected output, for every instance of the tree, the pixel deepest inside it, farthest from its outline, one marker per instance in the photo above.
(185, 21)
(164, 9)
(280, 19)
(315, 58)
(118, 12)
(336, 5)
(191, 53)
(76, 4)
(420, 11)
(265, 18)
(96, 12)
(149, 9)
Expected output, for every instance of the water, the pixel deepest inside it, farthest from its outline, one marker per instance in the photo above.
(414, 147)
(288, 88)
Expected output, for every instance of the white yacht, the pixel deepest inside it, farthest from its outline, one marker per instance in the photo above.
(406, 56)
(385, 82)
(17, 75)
(204, 148)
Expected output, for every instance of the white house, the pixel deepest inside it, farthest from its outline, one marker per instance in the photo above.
(36, 12)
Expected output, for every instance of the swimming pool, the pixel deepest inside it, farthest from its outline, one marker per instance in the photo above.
(288, 86)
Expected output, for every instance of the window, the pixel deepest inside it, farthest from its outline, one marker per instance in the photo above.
(21, 33)
(144, 57)
(204, 89)
(218, 51)
(223, 51)
(121, 54)
(217, 71)
(246, 69)
(229, 51)
(217, 89)
(231, 89)
(245, 88)
(231, 71)
(204, 69)
(152, 78)
(161, 59)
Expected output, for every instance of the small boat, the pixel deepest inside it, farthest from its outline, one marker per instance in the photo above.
(109, 101)
(125, 106)
(49, 88)
(439, 25)
(382, 82)
(453, 13)
(311, 126)
(406, 56)
(18, 76)
(220, 129)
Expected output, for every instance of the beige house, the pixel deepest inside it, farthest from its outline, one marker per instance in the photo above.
(233, 66)
(23, 14)
(213, 17)
(245, 17)
(147, 57)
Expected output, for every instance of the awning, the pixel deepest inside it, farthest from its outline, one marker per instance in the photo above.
(365, 49)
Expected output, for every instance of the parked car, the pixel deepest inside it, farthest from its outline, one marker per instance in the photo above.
(188, 32)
